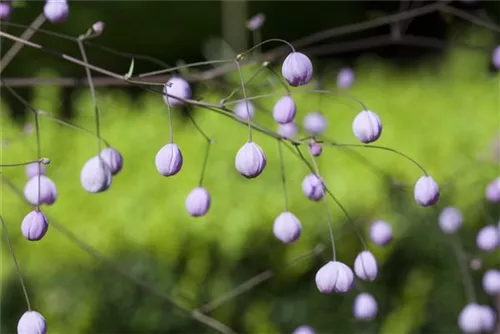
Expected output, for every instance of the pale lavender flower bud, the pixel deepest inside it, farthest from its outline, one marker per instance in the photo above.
(5, 10)
(95, 175)
(56, 11)
(469, 319)
(313, 187)
(488, 238)
(33, 170)
(492, 192)
(334, 276)
(48, 191)
(495, 59)
(256, 22)
(426, 191)
(284, 110)
(315, 123)
(381, 233)
(250, 160)
(288, 130)
(315, 149)
(32, 322)
(488, 318)
(367, 126)
(365, 307)
(241, 110)
(450, 220)
(98, 27)
(304, 329)
(287, 227)
(365, 266)
(34, 225)
(491, 282)
(177, 87)
(297, 69)
(345, 78)
(113, 159)
(169, 160)
(198, 202)
(476, 264)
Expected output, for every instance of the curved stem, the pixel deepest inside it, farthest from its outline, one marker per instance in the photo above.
(16, 264)
(265, 42)
(169, 110)
(234, 91)
(200, 63)
(40, 161)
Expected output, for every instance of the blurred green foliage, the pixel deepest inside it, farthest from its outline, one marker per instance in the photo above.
(443, 115)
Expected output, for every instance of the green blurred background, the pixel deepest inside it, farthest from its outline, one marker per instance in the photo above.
(441, 110)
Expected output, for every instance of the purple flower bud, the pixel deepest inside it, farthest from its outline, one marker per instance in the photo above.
(495, 58)
(381, 233)
(256, 22)
(284, 110)
(426, 191)
(34, 225)
(98, 27)
(169, 160)
(178, 87)
(287, 227)
(5, 10)
(488, 318)
(32, 169)
(56, 11)
(198, 202)
(367, 126)
(32, 322)
(315, 149)
(288, 130)
(334, 277)
(48, 191)
(95, 175)
(113, 159)
(314, 123)
(365, 266)
(491, 282)
(304, 330)
(250, 160)
(488, 238)
(313, 187)
(450, 220)
(492, 192)
(297, 69)
(365, 307)
(345, 78)
(241, 110)
(475, 318)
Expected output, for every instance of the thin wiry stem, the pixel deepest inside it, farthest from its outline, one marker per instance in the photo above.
(16, 264)
(466, 276)
(283, 176)
(40, 161)
(92, 94)
(245, 99)
(254, 75)
(254, 281)
(271, 40)
(171, 69)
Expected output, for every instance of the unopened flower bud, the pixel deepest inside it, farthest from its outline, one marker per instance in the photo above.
(48, 190)
(492, 192)
(381, 233)
(33, 170)
(365, 307)
(315, 149)
(256, 22)
(34, 225)
(250, 160)
(98, 27)
(491, 282)
(426, 191)
(95, 175)
(488, 238)
(297, 69)
(113, 159)
(313, 187)
(365, 266)
(334, 276)
(314, 123)
(32, 322)
(169, 160)
(177, 87)
(345, 78)
(198, 202)
(288, 130)
(284, 110)
(304, 329)
(5, 10)
(287, 227)
(56, 11)
(244, 109)
(367, 126)
(450, 220)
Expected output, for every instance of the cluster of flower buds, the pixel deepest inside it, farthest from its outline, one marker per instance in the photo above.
(475, 318)
(97, 173)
